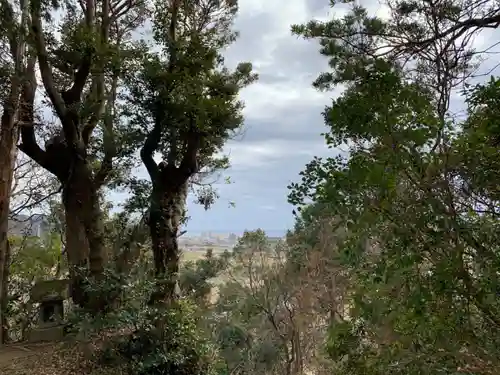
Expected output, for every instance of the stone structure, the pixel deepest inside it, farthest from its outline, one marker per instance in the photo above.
(50, 295)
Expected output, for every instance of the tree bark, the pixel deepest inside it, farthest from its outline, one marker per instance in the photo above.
(166, 213)
(8, 140)
(77, 248)
(4, 300)
(4, 255)
(8, 152)
(84, 234)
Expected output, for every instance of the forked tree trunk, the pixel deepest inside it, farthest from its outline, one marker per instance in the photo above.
(167, 210)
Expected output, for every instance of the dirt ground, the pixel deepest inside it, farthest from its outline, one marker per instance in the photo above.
(22, 359)
(48, 359)
(11, 353)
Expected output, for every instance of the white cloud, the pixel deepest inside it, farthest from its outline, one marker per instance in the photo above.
(282, 13)
(259, 154)
(264, 101)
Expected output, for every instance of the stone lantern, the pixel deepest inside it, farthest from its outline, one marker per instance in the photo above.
(50, 295)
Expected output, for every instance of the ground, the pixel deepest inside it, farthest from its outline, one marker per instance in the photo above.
(11, 353)
(63, 358)
(42, 359)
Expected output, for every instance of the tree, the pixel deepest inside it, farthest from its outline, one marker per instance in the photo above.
(185, 103)
(264, 320)
(15, 69)
(420, 249)
(80, 74)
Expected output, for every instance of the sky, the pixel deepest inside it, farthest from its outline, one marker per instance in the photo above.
(283, 121)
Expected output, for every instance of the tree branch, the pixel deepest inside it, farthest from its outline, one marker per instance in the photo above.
(148, 149)
(98, 87)
(96, 98)
(108, 137)
(75, 92)
(43, 60)
(153, 138)
(121, 9)
(29, 144)
(492, 22)
(189, 163)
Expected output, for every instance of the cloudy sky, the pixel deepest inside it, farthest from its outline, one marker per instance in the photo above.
(283, 122)
(282, 117)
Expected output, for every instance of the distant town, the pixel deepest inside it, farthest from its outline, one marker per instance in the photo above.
(38, 224)
(208, 239)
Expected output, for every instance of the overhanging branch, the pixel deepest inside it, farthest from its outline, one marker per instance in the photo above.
(29, 144)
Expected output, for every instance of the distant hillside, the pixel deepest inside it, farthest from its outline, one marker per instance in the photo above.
(24, 225)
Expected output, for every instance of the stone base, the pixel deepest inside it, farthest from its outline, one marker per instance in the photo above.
(55, 333)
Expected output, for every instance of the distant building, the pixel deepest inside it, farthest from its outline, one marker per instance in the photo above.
(24, 225)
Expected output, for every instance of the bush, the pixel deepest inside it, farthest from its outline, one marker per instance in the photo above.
(167, 342)
(147, 340)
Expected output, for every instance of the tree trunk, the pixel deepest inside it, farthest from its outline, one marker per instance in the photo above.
(77, 248)
(298, 360)
(166, 214)
(5, 294)
(84, 234)
(8, 140)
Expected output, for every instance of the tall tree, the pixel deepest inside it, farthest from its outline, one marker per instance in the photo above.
(16, 67)
(80, 73)
(421, 244)
(186, 104)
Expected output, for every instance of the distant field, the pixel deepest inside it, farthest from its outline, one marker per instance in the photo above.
(194, 255)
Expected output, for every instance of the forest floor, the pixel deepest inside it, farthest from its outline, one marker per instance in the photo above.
(11, 353)
(63, 358)
(27, 359)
